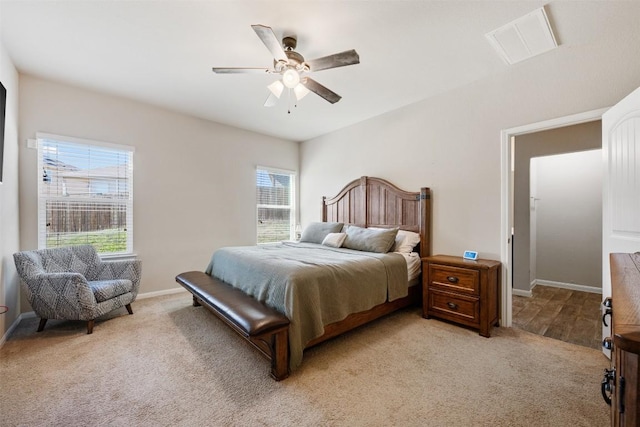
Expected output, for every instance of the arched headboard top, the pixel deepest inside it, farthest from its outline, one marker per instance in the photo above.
(375, 202)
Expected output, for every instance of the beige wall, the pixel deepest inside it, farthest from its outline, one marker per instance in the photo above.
(9, 237)
(451, 142)
(586, 136)
(194, 180)
(568, 219)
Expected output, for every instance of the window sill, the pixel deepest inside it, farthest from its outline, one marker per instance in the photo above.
(119, 257)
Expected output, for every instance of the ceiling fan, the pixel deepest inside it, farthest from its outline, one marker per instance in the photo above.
(293, 67)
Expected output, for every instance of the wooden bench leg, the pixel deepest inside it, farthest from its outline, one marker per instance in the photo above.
(273, 344)
(43, 321)
(280, 355)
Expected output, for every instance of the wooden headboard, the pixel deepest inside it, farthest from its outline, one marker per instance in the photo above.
(374, 202)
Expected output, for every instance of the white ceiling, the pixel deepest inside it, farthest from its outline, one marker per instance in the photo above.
(161, 52)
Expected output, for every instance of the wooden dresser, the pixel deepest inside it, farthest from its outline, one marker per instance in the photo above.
(621, 383)
(461, 291)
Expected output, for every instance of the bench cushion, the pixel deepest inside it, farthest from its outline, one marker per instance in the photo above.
(246, 312)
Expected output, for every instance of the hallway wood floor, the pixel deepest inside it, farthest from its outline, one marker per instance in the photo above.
(563, 314)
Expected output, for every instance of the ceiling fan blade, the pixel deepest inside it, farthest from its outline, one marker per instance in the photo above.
(240, 70)
(320, 90)
(270, 41)
(348, 57)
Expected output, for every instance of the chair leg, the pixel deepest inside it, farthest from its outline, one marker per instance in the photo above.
(41, 325)
(90, 327)
(128, 306)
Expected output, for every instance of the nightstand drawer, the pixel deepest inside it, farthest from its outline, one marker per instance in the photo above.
(455, 307)
(455, 279)
(461, 291)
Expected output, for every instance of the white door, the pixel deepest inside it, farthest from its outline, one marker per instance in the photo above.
(621, 192)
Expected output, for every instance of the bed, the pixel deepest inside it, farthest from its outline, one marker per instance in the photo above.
(281, 322)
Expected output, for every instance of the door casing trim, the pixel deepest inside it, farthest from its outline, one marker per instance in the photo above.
(506, 200)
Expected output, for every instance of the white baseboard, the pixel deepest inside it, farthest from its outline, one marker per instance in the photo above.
(15, 324)
(521, 293)
(571, 286)
(31, 314)
(551, 283)
(161, 293)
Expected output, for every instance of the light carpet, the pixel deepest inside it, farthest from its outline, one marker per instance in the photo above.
(172, 364)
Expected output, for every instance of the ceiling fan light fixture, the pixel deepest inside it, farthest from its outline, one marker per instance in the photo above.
(276, 88)
(291, 78)
(300, 92)
(271, 101)
(293, 68)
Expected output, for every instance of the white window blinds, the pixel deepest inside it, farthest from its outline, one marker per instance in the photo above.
(275, 191)
(85, 194)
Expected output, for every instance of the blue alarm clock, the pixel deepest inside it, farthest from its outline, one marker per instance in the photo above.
(472, 255)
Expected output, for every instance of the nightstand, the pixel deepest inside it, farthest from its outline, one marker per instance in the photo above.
(461, 291)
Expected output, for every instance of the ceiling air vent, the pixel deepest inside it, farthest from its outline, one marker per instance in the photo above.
(523, 38)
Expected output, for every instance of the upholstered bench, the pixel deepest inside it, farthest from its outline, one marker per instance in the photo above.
(264, 328)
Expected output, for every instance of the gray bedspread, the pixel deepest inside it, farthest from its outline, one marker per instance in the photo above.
(313, 285)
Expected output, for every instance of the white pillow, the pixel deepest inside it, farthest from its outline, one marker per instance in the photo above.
(406, 241)
(334, 240)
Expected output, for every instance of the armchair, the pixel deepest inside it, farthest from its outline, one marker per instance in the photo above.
(73, 283)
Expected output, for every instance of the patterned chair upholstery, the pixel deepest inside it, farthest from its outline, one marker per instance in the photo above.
(73, 283)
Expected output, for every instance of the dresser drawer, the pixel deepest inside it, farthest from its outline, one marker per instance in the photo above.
(455, 278)
(453, 306)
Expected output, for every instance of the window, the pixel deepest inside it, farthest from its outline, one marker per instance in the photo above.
(275, 191)
(85, 194)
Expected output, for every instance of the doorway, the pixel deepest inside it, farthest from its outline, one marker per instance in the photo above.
(565, 208)
(508, 141)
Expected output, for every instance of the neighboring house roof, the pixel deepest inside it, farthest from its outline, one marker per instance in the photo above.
(266, 179)
(109, 172)
(56, 164)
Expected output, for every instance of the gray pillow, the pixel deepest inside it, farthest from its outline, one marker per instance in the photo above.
(317, 231)
(370, 240)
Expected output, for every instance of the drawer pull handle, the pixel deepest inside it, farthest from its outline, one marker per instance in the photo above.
(608, 310)
(452, 306)
(604, 316)
(452, 279)
(621, 386)
(607, 385)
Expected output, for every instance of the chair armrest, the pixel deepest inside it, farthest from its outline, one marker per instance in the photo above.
(72, 287)
(122, 269)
